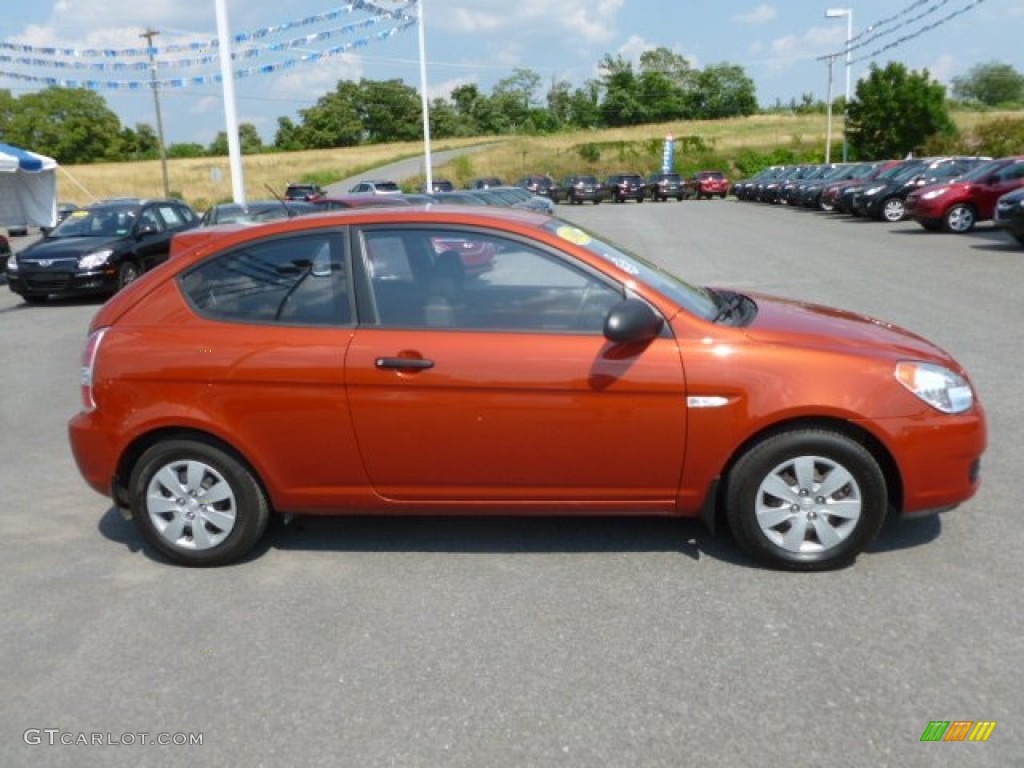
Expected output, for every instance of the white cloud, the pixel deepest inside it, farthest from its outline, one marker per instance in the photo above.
(762, 14)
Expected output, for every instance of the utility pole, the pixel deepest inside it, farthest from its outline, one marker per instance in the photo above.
(149, 34)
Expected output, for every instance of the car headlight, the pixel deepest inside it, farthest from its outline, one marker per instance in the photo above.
(95, 259)
(12, 263)
(940, 387)
(933, 193)
(873, 190)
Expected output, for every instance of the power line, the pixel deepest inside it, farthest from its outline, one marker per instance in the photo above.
(936, 6)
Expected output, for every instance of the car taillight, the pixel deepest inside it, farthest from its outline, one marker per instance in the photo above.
(92, 348)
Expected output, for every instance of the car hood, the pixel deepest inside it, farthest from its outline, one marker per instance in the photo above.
(789, 322)
(66, 247)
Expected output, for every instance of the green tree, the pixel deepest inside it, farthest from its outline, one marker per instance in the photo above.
(334, 120)
(559, 101)
(623, 102)
(288, 136)
(72, 125)
(249, 141)
(894, 111)
(991, 84)
(585, 105)
(722, 90)
(190, 149)
(142, 143)
(389, 111)
(8, 107)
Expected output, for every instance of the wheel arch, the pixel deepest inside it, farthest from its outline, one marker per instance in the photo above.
(874, 446)
(121, 490)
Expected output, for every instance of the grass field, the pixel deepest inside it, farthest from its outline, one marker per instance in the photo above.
(203, 181)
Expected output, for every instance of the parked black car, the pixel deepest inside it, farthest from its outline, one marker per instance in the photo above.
(626, 186)
(6, 254)
(744, 188)
(538, 185)
(485, 182)
(1009, 214)
(256, 211)
(577, 190)
(99, 249)
(300, 191)
(662, 186)
(886, 201)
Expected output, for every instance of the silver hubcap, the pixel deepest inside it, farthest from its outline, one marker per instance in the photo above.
(191, 505)
(809, 504)
(960, 219)
(893, 210)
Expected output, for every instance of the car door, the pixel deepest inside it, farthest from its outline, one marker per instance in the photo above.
(499, 387)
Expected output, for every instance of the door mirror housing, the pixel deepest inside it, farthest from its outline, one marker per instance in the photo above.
(632, 320)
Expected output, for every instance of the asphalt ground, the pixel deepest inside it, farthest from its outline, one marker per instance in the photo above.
(495, 642)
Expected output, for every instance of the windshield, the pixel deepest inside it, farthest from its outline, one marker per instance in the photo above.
(102, 221)
(983, 170)
(698, 300)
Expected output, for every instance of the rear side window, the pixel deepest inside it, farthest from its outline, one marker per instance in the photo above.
(289, 281)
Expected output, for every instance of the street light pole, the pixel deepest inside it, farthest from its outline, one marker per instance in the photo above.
(835, 13)
(149, 34)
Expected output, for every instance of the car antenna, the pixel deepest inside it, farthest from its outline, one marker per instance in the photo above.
(289, 211)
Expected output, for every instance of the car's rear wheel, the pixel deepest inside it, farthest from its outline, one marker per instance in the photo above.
(197, 504)
(807, 499)
(959, 219)
(893, 209)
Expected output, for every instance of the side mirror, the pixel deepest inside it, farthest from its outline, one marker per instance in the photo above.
(146, 229)
(632, 320)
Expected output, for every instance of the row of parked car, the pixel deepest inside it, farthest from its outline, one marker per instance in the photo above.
(101, 248)
(623, 186)
(951, 193)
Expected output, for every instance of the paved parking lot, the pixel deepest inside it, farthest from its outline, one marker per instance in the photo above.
(426, 642)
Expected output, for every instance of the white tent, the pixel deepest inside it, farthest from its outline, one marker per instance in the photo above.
(28, 188)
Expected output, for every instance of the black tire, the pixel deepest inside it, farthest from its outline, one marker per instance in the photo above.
(1018, 238)
(127, 273)
(168, 485)
(783, 525)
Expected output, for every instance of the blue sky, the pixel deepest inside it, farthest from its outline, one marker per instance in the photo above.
(482, 41)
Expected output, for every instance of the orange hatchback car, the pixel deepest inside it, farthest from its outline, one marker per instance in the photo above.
(349, 363)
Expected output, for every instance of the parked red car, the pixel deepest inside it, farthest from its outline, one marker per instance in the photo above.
(957, 205)
(707, 184)
(277, 369)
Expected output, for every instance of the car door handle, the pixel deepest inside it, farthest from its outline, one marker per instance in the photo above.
(404, 363)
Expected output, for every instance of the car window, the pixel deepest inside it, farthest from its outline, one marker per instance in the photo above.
(295, 281)
(473, 281)
(172, 216)
(1012, 172)
(149, 218)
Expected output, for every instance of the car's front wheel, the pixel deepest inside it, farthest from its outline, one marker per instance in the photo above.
(197, 504)
(959, 219)
(127, 273)
(893, 209)
(807, 499)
